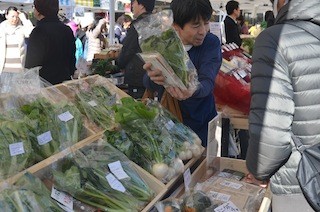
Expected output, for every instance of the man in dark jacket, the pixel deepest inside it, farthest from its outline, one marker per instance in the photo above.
(230, 23)
(285, 99)
(51, 44)
(128, 59)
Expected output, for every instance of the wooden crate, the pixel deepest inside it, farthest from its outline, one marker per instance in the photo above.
(239, 120)
(220, 163)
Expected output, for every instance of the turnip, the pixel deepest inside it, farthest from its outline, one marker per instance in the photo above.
(171, 173)
(196, 150)
(183, 155)
(188, 154)
(197, 140)
(160, 170)
(178, 165)
(186, 145)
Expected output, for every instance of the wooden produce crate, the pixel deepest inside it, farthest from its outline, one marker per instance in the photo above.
(238, 119)
(202, 173)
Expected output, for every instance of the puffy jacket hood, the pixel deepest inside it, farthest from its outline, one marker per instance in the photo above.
(300, 10)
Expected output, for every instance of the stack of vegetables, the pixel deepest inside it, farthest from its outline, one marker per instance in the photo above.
(153, 139)
(27, 194)
(56, 126)
(34, 131)
(102, 177)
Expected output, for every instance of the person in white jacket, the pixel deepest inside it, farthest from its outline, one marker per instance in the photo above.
(13, 32)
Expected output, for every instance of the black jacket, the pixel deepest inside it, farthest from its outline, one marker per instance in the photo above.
(128, 59)
(52, 46)
(232, 31)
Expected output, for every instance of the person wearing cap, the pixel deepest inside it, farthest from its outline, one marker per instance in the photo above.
(128, 59)
(13, 36)
(51, 44)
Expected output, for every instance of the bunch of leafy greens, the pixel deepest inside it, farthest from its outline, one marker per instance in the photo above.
(90, 186)
(96, 104)
(15, 132)
(41, 112)
(28, 194)
(169, 45)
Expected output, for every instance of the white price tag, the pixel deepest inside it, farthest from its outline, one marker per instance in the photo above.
(231, 184)
(66, 116)
(187, 178)
(92, 103)
(220, 196)
(62, 198)
(115, 183)
(117, 170)
(44, 138)
(16, 149)
(169, 125)
(227, 207)
(242, 73)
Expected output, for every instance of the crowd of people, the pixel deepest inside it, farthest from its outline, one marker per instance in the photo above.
(284, 84)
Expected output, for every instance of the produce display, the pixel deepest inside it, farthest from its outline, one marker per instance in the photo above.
(156, 35)
(232, 84)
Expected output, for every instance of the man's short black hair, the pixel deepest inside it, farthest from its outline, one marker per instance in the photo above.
(185, 11)
(231, 5)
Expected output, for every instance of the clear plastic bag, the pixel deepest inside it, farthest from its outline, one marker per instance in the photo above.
(161, 45)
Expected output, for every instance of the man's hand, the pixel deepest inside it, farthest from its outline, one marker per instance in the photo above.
(179, 94)
(251, 179)
(154, 74)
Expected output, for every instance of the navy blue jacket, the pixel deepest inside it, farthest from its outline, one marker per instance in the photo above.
(199, 109)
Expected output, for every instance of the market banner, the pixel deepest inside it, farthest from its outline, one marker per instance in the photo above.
(86, 3)
(66, 2)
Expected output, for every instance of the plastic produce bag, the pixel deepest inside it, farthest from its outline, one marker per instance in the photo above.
(27, 194)
(162, 47)
(100, 176)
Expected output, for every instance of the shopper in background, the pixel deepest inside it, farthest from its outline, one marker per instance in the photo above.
(79, 48)
(51, 44)
(96, 40)
(128, 59)
(285, 92)
(118, 27)
(191, 21)
(230, 23)
(243, 27)
(269, 18)
(126, 25)
(13, 33)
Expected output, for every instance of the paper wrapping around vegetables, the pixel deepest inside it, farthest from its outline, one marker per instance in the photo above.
(153, 139)
(27, 194)
(101, 176)
(36, 124)
(162, 47)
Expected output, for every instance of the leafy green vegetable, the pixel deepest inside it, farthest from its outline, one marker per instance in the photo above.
(169, 45)
(14, 134)
(28, 194)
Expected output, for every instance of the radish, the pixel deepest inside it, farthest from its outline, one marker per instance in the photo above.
(160, 170)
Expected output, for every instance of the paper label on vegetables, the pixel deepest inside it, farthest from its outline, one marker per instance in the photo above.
(231, 184)
(44, 138)
(92, 103)
(169, 125)
(187, 178)
(62, 198)
(227, 207)
(16, 149)
(117, 170)
(220, 196)
(115, 183)
(66, 116)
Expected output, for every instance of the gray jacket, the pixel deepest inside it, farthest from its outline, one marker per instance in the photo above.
(285, 90)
